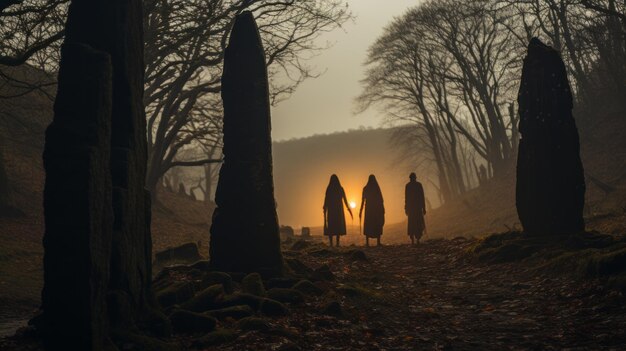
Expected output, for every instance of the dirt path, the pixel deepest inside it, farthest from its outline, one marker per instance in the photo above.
(433, 297)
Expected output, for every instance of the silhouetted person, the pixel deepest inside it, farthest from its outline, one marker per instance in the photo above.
(415, 208)
(372, 201)
(334, 219)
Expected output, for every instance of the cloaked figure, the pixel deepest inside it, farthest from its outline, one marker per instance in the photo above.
(372, 201)
(415, 208)
(334, 219)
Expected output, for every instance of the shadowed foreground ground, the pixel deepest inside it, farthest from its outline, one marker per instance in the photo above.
(435, 296)
(432, 296)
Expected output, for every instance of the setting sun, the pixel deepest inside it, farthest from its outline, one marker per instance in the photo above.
(352, 204)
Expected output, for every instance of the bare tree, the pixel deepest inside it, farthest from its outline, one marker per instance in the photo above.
(445, 66)
(184, 47)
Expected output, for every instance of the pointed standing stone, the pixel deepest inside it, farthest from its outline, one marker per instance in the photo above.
(550, 193)
(244, 232)
(98, 258)
(77, 203)
(116, 27)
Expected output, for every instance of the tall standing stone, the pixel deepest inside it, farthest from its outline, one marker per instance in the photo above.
(116, 27)
(244, 232)
(113, 28)
(77, 202)
(550, 193)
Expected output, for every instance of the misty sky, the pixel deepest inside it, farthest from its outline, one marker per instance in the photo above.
(326, 104)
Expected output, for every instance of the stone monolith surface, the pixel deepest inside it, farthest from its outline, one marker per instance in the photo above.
(550, 193)
(244, 233)
(77, 202)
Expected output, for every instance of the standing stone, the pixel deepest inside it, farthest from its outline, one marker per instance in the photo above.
(113, 28)
(244, 232)
(77, 203)
(116, 27)
(550, 180)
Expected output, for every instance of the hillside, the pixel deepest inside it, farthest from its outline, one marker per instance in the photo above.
(302, 168)
(22, 127)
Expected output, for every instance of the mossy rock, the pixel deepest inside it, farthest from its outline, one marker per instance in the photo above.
(253, 284)
(191, 322)
(298, 266)
(307, 288)
(212, 278)
(273, 308)
(235, 312)
(253, 323)
(332, 308)
(285, 295)
(241, 299)
(175, 293)
(125, 340)
(205, 300)
(323, 273)
(216, 337)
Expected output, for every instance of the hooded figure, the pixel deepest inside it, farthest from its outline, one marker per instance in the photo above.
(334, 219)
(415, 208)
(372, 201)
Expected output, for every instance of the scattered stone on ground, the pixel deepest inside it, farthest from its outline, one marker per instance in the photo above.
(437, 295)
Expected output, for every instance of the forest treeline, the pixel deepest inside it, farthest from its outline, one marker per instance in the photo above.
(452, 70)
(184, 42)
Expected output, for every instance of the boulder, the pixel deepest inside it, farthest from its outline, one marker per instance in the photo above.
(213, 278)
(323, 273)
(308, 288)
(175, 294)
(253, 284)
(273, 308)
(205, 300)
(235, 312)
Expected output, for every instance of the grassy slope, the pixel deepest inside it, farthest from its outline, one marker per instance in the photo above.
(22, 125)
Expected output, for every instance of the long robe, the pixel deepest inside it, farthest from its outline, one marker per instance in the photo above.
(374, 218)
(414, 207)
(335, 220)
